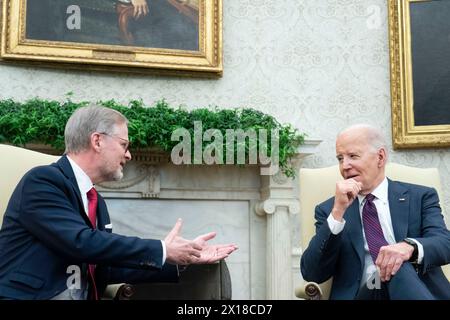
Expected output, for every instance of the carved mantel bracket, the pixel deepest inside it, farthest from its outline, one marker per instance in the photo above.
(141, 176)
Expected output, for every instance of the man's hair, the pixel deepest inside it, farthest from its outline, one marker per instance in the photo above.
(375, 136)
(86, 120)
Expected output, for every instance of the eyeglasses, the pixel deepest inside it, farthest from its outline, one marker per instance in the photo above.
(125, 145)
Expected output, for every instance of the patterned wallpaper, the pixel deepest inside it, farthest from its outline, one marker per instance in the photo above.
(318, 64)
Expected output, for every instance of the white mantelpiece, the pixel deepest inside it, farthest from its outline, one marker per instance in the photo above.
(154, 193)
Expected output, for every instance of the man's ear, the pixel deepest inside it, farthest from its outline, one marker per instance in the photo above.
(95, 141)
(382, 157)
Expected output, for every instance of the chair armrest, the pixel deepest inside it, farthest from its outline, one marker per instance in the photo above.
(309, 291)
(118, 291)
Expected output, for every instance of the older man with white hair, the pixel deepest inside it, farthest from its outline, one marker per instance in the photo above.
(377, 238)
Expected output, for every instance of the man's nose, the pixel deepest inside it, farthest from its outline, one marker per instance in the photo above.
(346, 163)
(128, 155)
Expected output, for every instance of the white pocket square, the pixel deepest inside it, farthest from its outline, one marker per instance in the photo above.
(108, 226)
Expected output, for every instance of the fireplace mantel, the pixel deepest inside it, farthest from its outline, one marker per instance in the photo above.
(244, 207)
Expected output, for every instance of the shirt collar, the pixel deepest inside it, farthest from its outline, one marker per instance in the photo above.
(380, 192)
(84, 182)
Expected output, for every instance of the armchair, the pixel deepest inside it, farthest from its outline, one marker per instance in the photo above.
(14, 163)
(317, 185)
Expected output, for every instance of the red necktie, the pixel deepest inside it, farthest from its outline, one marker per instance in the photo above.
(372, 227)
(92, 213)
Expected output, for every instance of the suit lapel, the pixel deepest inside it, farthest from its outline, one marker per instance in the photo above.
(102, 214)
(399, 208)
(354, 229)
(66, 168)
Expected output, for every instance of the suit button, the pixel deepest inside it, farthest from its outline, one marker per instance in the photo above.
(141, 264)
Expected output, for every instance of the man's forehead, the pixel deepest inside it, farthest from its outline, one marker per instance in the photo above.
(356, 145)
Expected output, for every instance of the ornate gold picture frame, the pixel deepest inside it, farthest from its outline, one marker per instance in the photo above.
(420, 73)
(178, 37)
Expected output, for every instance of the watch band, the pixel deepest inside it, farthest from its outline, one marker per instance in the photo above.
(415, 254)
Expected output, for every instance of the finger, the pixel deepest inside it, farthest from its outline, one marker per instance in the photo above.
(206, 237)
(384, 268)
(380, 257)
(398, 264)
(217, 258)
(145, 9)
(380, 265)
(175, 230)
(389, 267)
(226, 248)
(357, 189)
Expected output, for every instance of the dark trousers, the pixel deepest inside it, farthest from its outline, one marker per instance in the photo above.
(405, 285)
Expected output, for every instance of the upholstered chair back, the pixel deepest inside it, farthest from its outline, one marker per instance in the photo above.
(14, 163)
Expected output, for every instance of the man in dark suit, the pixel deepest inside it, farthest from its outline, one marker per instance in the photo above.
(377, 238)
(55, 242)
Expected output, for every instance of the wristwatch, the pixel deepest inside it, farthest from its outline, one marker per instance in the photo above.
(415, 254)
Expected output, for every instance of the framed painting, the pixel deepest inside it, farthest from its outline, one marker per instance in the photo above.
(420, 72)
(162, 36)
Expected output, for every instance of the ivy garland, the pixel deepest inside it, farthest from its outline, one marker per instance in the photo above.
(43, 121)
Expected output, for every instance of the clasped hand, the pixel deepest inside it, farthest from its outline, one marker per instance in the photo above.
(391, 258)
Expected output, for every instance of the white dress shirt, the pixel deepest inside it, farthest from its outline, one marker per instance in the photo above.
(381, 202)
(83, 181)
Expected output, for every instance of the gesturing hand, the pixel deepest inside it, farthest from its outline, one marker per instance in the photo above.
(197, 251)
(180, 250)
(212, 253)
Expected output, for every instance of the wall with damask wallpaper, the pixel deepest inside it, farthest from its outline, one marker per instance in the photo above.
(318, 64)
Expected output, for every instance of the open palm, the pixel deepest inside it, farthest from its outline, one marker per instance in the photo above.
(212, 253)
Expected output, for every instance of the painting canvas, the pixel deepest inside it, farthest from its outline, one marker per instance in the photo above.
(110, 22)
(420, 72)
(177, 35)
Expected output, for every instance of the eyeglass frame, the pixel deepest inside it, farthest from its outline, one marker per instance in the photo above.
(126, 148)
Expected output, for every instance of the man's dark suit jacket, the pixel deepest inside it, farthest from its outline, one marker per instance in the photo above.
(45, 230)
(415, 213)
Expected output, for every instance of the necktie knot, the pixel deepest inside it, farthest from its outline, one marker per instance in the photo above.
(92, 194)
(370, 197)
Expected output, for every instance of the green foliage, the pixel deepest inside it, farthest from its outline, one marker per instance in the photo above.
(43, 121)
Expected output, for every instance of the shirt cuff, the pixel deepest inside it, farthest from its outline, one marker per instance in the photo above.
(164, 252)
(420, 249)
(335, 226)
